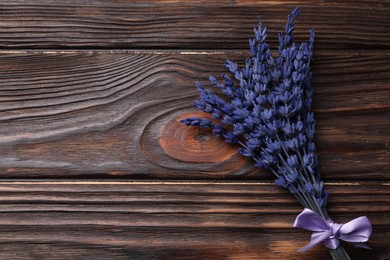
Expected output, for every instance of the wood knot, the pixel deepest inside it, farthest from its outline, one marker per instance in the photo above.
(193, 144)
(203, 137)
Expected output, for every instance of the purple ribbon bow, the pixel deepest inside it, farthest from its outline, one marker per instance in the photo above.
(356, 231)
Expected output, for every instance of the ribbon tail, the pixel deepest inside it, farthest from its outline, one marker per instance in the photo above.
(315, 240)
(361, 245)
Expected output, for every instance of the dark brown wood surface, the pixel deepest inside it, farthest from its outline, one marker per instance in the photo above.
(95, 164)
(192, 220)
(193, 24)
(117, 114)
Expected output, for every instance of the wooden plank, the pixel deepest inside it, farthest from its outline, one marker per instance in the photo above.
(174, 220)
(104, 113)
(190, 24)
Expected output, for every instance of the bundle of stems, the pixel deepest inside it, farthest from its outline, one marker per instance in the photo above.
(266, 109)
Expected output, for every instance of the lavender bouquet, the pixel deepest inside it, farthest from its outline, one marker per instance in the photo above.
(269, 114)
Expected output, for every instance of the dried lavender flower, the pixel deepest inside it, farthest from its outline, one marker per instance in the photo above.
(268, 113)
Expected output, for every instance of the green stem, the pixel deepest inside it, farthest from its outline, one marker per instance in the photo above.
(310, 202)
(339, 253)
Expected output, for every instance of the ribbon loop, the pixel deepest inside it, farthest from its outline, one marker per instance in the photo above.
(356, 231)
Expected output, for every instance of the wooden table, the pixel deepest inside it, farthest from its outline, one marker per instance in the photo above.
(94, 162)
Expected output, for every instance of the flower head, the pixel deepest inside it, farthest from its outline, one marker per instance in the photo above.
(267, 109)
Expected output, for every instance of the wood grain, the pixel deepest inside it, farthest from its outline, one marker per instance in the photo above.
(103, 113)
(76, 102)
(187, 24)
(173, 220)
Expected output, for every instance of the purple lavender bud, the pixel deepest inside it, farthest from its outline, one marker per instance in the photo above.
(239, 113)
(288, 129)
(281, 42)
(216, 114)
(267, 114)
(276, 74)
(295, 12)
(281, 182)
(252, 46)
(228, 120)
(318, 187)
(253, 143)
(296, 64)
(231, 66)
(261, 100)
(272, 128)
(199, 86)
(295, 77)
(243, 83)
(213, 80)
(218, 129)
(324, 199)
(257, 134)
(293, 189)
(230, 137)
(228, 108)
(309, 188)
(261, 164)
(292, 176)
(310, 118)
(238, 128)
(311, 148)
(190, 121)
(302, 139)
(205, 107)
(288, 38)
(292, 144)
(273, 148)
(228, 80)
(308, 159)
(285, 110)
(256, 110)
(245, 152)
(267, 158)
(237, 103)
(311, 41)
(308, 103)
(287, 71)
(310, 132)
(271, 98)
(292, 161)
(250, 96)
(266, 79)
(205, 123)
(195, 123)
(299, 126)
